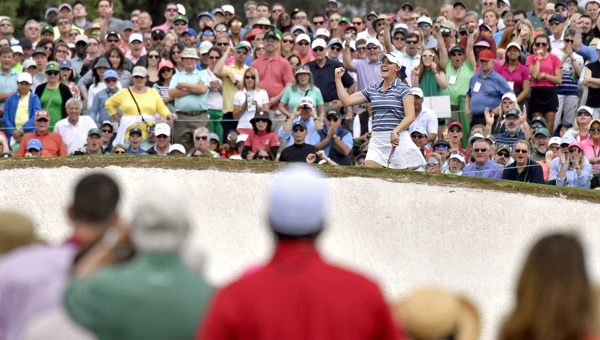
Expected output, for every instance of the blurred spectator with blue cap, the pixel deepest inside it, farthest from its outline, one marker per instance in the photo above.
(291, 291)
(189, 37)
(168, 297)
(98, 110)
(205, 19)
(135, 139)
(34, 148)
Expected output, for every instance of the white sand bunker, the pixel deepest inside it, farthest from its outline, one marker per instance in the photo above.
(402, 235)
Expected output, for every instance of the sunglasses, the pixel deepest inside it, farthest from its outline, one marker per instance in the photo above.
(574, 150)
(298, 130)
(119, 152)
(265, 158)
(201, 138)
(361, 48)
(424, 24)
(221, 30)
(42, 120)
(158, 37)
(171, 9)
(166, 69)
(176, 52)
(372, 48)
(162, 137)
(318, 23)
(318, 49)
(48, 48)
(222, 44)
(555, 148)
(154, 56)
(208, 33)
(302, 43)
(287, 41)
(107, 131)
(332, 119)
(555, 23)
(351, 32)
(113, 41)
(594, 129)
(583, 113)
(398, 39)
(427, 56)
(455, 130)
(441, 147)
(214, 58)
(417, 136)
(432, 163)
(52, 73)
(179, 23)
(568, 41)
(541, 44)
(287, 17)
(537, 126)
(244, 52)
(31, 150)
(335, 48)
(261, 120)
(521, 151)
(503, 154)
(480, 150)
(412, 42)
(250, 77)
(357, 23)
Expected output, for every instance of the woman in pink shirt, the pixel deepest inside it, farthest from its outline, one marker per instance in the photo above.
(261, 136)
(545, 69)
(591, 146)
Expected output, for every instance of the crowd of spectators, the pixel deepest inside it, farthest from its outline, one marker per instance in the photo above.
(228, 84)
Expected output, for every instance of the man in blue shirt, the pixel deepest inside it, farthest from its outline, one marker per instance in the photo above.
(335, 141)
(190, 90)
(515, 124)
(483, 166)
(485, 90)
(8, 76)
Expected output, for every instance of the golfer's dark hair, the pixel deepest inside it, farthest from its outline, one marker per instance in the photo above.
(96, 197)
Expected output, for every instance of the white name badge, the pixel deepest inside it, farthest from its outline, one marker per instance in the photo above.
(511, 84)
(452, 80)
(477, 87)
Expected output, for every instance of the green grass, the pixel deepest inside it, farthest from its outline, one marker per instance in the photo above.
(401, 176)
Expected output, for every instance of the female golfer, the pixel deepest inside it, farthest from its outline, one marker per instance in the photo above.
(393, 110)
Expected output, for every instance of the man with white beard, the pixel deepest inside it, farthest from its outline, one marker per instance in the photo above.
(540, 140)
(516, 127)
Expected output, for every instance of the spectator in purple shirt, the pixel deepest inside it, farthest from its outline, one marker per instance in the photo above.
(483, 165)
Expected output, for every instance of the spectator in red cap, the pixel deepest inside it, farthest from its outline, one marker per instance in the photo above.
(485, 90)
(298, 295)
(545, 69)
(52, 141)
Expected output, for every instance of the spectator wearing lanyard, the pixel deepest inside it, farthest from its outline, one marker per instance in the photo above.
(483, 165)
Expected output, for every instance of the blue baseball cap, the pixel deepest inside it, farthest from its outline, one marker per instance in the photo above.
(190, 31)
(206, 14)
(66, 63)
(135, 130)
(34, 144)
(111, 74)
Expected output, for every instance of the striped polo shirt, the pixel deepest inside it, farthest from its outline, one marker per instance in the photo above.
(388, 108)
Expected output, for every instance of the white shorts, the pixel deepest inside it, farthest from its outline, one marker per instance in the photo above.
(406, 155)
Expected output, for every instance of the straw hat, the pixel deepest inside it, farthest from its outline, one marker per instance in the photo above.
(435, 313)
(15, 230)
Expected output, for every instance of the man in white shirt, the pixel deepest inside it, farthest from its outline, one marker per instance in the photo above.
(74, 129)
(424, 117)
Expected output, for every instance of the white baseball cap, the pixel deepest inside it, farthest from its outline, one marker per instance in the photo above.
(228, 8)
(24, 76)
(302, 36)
(162, 129)
(416, 91)
(318, 43)
(298, 201)
(306, 101)
(136, 36)
(322, 31)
